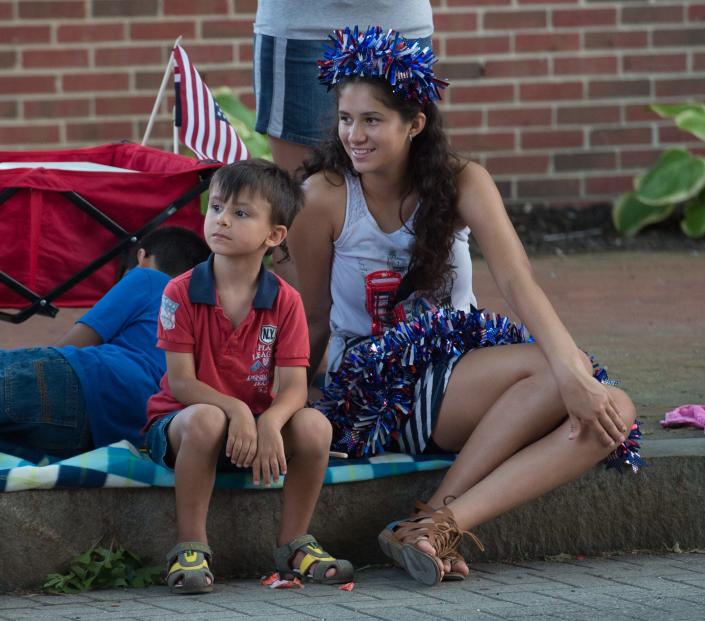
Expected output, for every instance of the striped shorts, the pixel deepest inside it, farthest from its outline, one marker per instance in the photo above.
(414, 435)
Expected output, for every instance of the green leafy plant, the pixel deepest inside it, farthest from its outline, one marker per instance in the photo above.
(677, 178)
(103, 568)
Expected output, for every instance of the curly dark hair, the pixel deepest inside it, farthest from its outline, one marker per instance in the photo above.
(431, 173)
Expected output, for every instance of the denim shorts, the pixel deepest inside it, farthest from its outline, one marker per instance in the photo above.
(157, 441)
(41, 403)
(291, 103)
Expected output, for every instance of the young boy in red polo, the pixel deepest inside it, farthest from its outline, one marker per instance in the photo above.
(225, 326)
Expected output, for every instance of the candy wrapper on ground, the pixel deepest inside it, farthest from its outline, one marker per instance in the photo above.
(274, 581)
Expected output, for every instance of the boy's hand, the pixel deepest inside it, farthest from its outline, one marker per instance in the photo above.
(270, 460)
(241, 446)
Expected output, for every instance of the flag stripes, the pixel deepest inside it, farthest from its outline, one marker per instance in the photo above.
(203, 127)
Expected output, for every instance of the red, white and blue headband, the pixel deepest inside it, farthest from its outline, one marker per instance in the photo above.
(375, 53)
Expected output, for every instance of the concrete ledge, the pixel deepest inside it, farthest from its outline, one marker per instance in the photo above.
(600, 512)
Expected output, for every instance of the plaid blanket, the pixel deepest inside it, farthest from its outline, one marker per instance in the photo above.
(122, 465)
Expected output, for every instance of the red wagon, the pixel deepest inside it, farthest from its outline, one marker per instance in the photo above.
(66, 215)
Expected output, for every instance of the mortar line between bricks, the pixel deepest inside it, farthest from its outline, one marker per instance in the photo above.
(429, 595)
(171, 610)
(622, 582)
(537, 573)
(342, 605)
(521, 566)
(145, 603)
(681, 582)
(278, 605)
(692, 571)
(435, 614)
(685, 599)
(499, 616)
(602, 558)
(364, 612)
(565, 599)
(485, 574)
(621, 559)
(495, 598)
(618, 601)
(552, 579)
(440, 600)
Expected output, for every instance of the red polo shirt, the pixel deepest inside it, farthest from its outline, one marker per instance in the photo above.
(235, 361)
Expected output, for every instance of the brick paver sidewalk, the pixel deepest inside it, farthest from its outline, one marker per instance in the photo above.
(644, 587)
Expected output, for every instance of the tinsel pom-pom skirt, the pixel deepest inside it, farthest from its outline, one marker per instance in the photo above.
(388, 389)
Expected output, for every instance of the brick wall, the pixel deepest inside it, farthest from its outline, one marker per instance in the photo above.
(550, 95)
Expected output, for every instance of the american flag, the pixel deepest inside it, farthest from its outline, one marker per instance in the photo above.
(202, 125)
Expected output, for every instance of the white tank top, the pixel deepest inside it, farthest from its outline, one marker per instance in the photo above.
(316, 19)
(362, 248)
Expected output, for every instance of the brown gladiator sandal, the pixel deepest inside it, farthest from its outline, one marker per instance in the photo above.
(399, 538)
(453, 555)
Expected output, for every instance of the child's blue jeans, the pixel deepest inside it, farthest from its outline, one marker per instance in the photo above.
(41, 403)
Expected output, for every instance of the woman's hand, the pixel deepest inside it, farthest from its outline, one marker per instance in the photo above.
(591, 408)
(241, 445)
(270, 460)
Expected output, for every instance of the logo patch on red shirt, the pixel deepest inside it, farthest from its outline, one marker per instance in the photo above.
(167, 314)
(267, 334)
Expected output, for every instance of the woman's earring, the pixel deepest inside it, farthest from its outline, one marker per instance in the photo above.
(410, 137)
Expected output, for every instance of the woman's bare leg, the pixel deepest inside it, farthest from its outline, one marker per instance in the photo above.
(540, 467)
(498, 400)
(503, 412)
(289, 156)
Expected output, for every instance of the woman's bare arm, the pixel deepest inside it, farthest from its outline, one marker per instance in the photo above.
(311, 244)
(481, 207)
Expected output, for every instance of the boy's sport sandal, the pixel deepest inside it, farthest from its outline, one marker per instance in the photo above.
(187, 566)
(398, 541)
(314, 564)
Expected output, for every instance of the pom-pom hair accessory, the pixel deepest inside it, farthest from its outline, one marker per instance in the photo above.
(379, 54)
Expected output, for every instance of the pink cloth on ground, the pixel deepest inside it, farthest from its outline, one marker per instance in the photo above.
(685, 415)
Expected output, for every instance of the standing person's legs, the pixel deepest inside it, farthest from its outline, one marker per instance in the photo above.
(288, 155)
(41, 403)
(293, 109)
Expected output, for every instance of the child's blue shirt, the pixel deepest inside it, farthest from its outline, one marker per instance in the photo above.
(120, 375)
